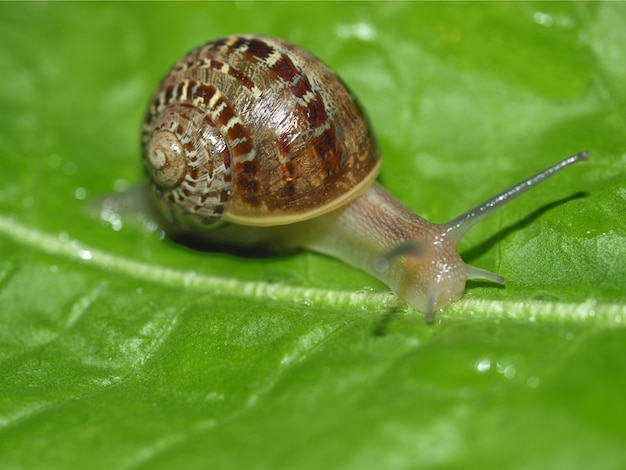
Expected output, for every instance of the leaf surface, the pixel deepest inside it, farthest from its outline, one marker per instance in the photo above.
(119, 349)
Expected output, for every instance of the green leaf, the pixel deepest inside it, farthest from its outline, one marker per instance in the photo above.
(119, 349)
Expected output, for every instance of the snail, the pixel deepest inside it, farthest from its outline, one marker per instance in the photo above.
(252, 141)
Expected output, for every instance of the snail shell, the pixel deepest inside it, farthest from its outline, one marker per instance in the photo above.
(256, 131)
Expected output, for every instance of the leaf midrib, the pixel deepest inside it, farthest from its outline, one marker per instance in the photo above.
(610, 314)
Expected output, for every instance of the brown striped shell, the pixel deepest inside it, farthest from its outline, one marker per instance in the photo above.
(256, 131)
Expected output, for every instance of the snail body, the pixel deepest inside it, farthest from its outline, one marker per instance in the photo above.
(254, 142)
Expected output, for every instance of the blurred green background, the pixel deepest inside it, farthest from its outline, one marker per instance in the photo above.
(119, 349)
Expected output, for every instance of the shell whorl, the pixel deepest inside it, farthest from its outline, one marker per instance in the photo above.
(256, 131)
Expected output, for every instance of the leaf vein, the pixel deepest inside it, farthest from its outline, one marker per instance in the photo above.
(613, 314)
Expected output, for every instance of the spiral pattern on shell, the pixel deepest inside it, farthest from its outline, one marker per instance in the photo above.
(256, 131)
